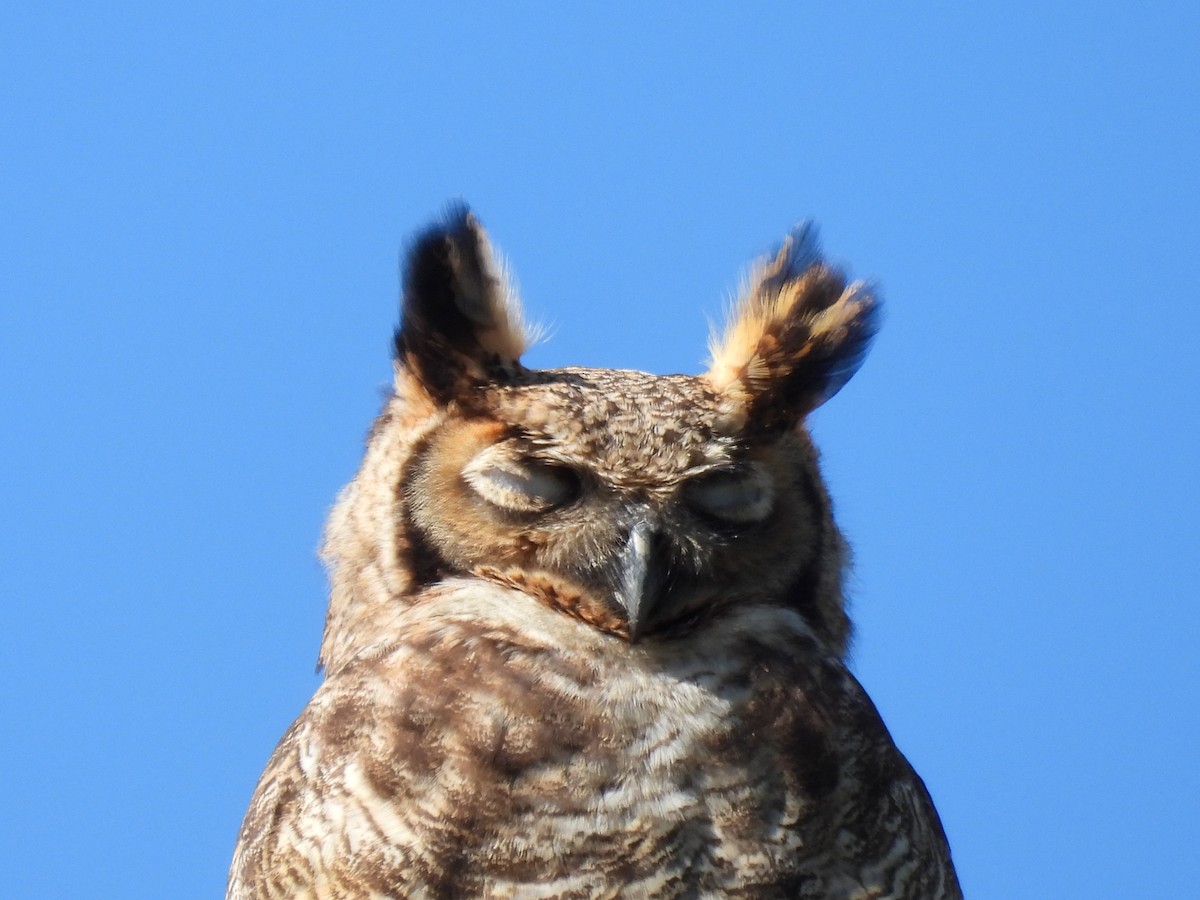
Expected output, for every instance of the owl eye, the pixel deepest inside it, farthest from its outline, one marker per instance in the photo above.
(521, 485)
(739, 496)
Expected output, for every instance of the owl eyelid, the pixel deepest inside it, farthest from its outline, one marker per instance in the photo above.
(735, 496)
(530, 485)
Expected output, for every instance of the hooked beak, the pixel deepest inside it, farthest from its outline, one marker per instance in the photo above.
(640, 577)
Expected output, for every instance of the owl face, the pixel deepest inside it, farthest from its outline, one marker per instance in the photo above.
(635, 504)
(621, 498)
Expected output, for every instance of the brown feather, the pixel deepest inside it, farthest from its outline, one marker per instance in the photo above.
(795, 336)
(492, 724)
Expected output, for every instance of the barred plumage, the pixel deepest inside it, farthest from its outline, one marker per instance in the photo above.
(586, 635)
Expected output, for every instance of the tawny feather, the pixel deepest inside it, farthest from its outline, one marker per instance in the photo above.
(586, 634)
(461, 319)
(795, 335)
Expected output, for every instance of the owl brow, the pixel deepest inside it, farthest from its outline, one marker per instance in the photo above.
(536, 446)
(513, 434)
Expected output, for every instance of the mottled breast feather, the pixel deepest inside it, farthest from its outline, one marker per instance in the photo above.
(587, 634)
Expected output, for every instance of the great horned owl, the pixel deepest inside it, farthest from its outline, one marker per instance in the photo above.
(587, 635)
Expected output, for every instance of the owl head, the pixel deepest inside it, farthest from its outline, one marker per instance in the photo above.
(637, 505)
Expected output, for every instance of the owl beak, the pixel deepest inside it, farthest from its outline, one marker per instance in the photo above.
(639, 580)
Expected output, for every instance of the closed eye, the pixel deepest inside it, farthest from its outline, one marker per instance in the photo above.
(741, 496)
(527, 485)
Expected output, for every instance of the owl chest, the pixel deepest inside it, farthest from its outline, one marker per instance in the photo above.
(527, 770)
(670, 789)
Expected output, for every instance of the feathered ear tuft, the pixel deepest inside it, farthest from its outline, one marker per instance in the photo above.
(460, 320)
(797, 333)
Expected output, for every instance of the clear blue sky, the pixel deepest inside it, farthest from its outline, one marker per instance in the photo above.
(202, 211)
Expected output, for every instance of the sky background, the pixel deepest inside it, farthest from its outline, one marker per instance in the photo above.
(203, 210)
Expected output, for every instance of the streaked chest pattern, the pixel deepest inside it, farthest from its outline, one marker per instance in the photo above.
(540, 758)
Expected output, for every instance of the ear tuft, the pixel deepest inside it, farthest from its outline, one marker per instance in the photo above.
(795, 336)
(460, 320)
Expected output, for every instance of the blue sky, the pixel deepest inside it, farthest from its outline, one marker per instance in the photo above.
(204, 207)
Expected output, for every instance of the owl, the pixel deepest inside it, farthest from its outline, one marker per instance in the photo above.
(586, 634)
